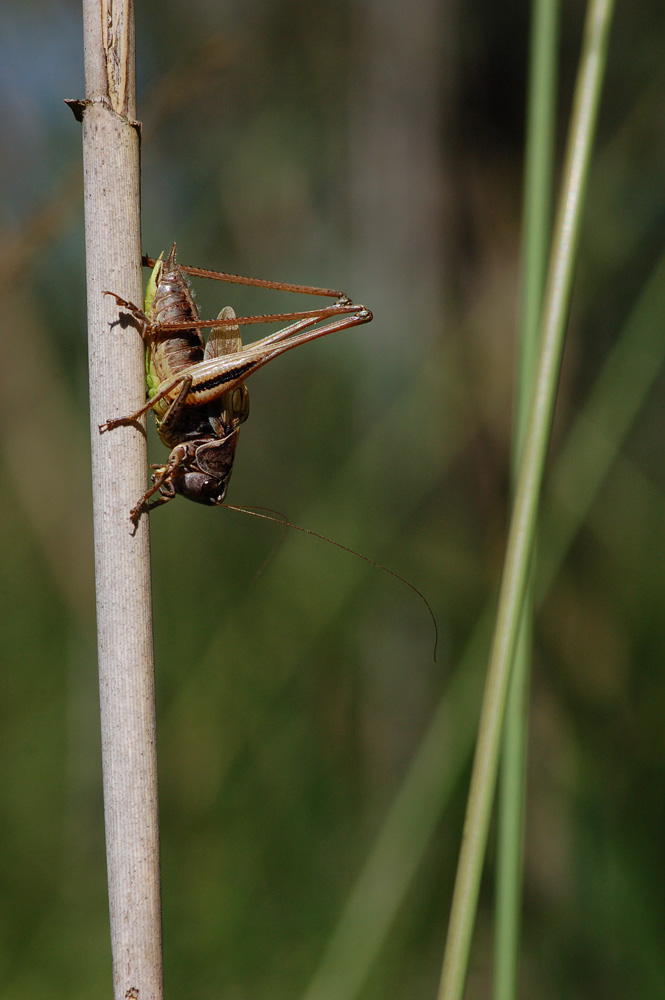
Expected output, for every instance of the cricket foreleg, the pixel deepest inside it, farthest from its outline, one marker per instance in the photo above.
(163, 476)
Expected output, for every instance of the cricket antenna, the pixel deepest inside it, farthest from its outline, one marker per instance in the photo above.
(261, 512)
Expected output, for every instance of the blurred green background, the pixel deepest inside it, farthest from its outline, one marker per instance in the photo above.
(375, 146)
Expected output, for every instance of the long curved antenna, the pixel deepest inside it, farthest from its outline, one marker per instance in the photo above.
(254, 511)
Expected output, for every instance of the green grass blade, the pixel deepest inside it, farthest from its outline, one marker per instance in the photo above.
(535, 243)
(523, 522)
(614, 401)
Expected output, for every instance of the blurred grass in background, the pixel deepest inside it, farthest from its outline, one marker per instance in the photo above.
(375, 147)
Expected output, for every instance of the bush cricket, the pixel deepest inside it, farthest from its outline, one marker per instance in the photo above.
(196, 388)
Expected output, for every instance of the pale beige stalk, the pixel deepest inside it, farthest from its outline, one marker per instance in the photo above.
(122, 560)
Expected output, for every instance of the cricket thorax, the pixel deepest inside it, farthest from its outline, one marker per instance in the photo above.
(192, 423)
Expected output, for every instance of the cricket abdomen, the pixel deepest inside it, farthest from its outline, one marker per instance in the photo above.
(172, 351)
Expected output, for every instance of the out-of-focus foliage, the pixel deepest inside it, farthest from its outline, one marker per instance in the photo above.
(376, 147)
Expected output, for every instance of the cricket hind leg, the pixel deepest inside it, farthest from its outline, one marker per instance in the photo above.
(300, 332)
(239, 279)
(340, 316)
(215, 376)
(305, 329)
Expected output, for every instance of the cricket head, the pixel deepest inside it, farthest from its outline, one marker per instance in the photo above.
(203, 476)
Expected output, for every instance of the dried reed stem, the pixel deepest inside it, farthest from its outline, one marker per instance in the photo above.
(122, 560)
